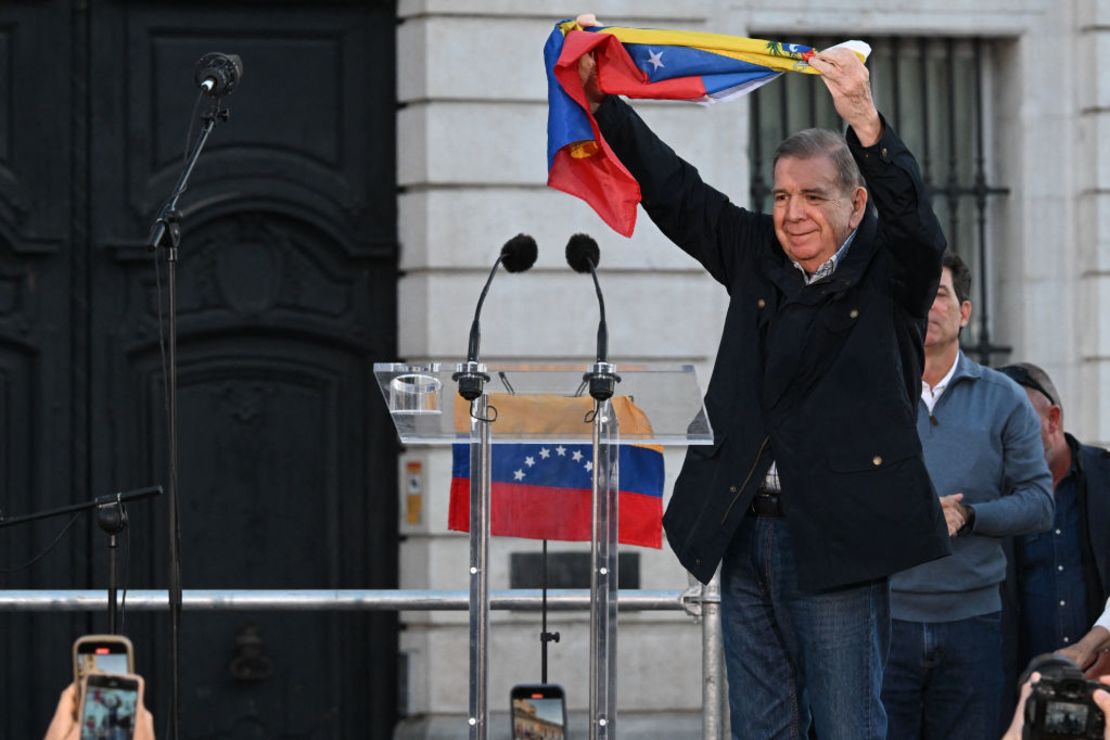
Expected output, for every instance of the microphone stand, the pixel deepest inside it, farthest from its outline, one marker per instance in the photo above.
(166, 234)
(111, 517)
(545, 636)
(602, 379)
(471, 377)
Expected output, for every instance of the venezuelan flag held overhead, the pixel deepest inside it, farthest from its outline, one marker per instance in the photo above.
(643, 63)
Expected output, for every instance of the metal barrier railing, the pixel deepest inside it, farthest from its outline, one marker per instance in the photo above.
(699, 601)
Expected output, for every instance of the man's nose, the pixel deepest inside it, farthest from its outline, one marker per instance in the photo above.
(794, 208)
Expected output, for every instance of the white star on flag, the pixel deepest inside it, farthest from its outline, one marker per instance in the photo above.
(545, 453)
(655, 59)
(518, 475)
(529, 461)
(561, 451)
(576, 455)
(589, 465)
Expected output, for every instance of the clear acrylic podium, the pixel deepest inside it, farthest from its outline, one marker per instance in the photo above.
(547, 404)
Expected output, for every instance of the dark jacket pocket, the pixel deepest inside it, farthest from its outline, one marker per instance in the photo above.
(858, 453)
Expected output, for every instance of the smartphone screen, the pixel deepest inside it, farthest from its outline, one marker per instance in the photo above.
(539, 712)
(109, 707)
(101, 654)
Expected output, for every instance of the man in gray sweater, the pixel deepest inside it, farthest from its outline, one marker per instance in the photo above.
(982, 445)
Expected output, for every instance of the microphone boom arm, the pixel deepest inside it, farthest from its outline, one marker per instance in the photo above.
(167, 221)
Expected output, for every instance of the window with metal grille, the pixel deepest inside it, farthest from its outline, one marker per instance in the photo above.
(936, 93)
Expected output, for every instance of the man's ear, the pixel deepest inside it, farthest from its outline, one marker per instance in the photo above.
(1055, 418)
(859, 206)
(965, 313)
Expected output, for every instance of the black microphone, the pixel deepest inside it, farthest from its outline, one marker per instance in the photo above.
(583, 255)
(218, 74)
(518, 255)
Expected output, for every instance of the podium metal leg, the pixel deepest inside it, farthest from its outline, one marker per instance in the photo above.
(713, 692)
(478, 716)
(603, 575)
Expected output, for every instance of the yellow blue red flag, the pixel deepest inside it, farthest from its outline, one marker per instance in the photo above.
(545, 491)
(643, 63)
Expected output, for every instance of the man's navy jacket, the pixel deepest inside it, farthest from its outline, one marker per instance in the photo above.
(1092, 465)
(823, 379)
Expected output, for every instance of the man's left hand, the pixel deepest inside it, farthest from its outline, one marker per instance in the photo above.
(849, 82)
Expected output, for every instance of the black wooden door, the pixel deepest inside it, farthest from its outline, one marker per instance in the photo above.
(287, 291)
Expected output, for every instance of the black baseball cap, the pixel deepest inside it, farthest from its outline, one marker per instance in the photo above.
(1030, 376)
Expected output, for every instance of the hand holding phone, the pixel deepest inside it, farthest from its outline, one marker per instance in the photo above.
(67, 721)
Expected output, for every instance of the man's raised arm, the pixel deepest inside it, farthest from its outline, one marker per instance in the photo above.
(893, 180)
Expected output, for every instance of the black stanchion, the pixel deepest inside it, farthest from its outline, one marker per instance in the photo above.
(545, 636)
(217, 75)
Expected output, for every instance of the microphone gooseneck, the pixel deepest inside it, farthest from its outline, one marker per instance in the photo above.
(518, 254)
(475, 325)
(583, 255)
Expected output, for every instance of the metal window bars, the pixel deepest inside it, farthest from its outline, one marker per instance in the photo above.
(937, 93)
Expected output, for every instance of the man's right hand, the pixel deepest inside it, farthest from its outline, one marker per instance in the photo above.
(953, 513)
(587, 68)
(1076, 654)
(1084, 652)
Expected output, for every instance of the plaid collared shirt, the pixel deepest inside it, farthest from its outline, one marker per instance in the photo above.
(771, 482)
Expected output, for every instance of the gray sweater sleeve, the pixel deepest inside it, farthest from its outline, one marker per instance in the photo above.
(1027, 503)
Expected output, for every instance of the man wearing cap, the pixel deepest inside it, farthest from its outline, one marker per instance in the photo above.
(983, 451)
(1062, 576)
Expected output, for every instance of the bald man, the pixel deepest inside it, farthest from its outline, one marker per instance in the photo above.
(1061, 578)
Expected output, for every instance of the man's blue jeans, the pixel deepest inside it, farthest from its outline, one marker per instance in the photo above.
(944, 679)
(798, 656)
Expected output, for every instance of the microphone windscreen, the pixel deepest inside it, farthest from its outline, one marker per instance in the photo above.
(582, 251)
(519, 253)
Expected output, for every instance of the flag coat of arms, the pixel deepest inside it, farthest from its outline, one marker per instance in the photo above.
(643, 63)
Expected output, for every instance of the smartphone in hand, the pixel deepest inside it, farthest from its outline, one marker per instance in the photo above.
(101, 654)
(538, 711)
(110, 706)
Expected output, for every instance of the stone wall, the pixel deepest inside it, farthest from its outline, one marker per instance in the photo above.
(472, 168)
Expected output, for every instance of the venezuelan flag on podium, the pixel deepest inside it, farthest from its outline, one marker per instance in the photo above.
(545, 491)
(643, 63)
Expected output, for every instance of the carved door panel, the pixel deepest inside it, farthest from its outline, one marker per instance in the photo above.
(283, 480)
(287, 291)
(43, 385)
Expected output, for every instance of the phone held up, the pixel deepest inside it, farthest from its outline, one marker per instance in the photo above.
(110, 706)
(101, 654)
(539, 711)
